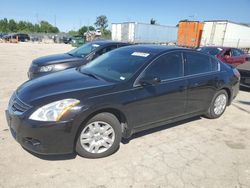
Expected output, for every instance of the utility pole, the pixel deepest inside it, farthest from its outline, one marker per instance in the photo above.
(80, 23)
(55, 20)
(37, 20)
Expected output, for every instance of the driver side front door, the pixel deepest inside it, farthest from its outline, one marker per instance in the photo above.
(162, 101)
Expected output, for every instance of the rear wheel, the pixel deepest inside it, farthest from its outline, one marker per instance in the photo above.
(100, 137)
(218, 105)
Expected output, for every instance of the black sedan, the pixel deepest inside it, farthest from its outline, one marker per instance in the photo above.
(75, 58)
(89, 109)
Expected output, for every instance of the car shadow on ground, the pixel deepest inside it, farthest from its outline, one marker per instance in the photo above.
(61, 157)
(160, 128)
(244, 102)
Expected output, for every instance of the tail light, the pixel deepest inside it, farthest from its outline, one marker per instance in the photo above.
(236, 73)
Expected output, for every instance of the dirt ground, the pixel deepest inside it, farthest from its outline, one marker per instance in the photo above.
(193, 153)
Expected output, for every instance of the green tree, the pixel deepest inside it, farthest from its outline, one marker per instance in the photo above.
(23, 26)
(12, 25)
(46, 27)
(106, 34)
(72, 33)
(4, 25)
(101, 22)
(37, 28)
(84, 29)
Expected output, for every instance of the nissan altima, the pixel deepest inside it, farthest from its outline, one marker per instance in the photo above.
(89, 110)
(77, 57)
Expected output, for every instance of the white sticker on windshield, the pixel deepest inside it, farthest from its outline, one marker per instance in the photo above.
(219, 49)
(95, 45)
(122, 78)
(140, 54)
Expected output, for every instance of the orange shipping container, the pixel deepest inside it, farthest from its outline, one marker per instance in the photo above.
(189, 33)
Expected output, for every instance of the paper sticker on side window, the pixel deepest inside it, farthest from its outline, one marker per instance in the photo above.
(140, 54)
(95, 45)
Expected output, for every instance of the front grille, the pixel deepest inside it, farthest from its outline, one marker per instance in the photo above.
(244, 73)
(16, 105)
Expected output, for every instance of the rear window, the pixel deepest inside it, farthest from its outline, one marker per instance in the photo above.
(197, 63)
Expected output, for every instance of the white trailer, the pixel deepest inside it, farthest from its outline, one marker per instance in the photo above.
(134, 32)
(225, 33)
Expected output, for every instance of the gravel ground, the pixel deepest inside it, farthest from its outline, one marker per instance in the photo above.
(194, 153)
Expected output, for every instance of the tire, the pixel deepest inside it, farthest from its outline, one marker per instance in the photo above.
(99, 137)
(214, 112)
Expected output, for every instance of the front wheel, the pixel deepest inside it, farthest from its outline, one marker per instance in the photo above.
(100, 137)
(218, 105)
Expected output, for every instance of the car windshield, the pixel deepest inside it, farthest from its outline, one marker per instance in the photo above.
(83, 50)
(211, 51)
(118, 65)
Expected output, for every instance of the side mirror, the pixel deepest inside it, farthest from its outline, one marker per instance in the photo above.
(149, 81)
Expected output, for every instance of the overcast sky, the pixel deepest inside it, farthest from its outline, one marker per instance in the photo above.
(72, 14)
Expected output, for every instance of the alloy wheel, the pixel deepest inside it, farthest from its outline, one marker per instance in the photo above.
(220, 104)
(97, 137)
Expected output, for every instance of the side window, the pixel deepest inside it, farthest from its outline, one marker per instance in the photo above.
(107, 49)
(228, 52)
(197, 63)
(166, 67)
(241, 52)
(236, 52)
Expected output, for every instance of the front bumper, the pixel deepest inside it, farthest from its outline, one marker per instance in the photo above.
(42, 137)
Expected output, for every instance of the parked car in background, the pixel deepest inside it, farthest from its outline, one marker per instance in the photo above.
(75, 58)
(232, 56)
(2, 35)
(244, 70)
(90, 109)
(22, 37)
(66, 40)
(77, 41)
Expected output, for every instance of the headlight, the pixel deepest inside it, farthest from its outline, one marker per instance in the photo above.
(54, 111)
(47, 68)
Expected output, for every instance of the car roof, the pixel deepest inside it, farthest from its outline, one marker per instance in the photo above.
(222, 47)
(154, 49)
(107, 42)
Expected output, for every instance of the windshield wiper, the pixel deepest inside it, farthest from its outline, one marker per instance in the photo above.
(70, 54)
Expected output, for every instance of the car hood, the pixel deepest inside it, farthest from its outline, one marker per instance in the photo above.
(55, 59)
(64, 84)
